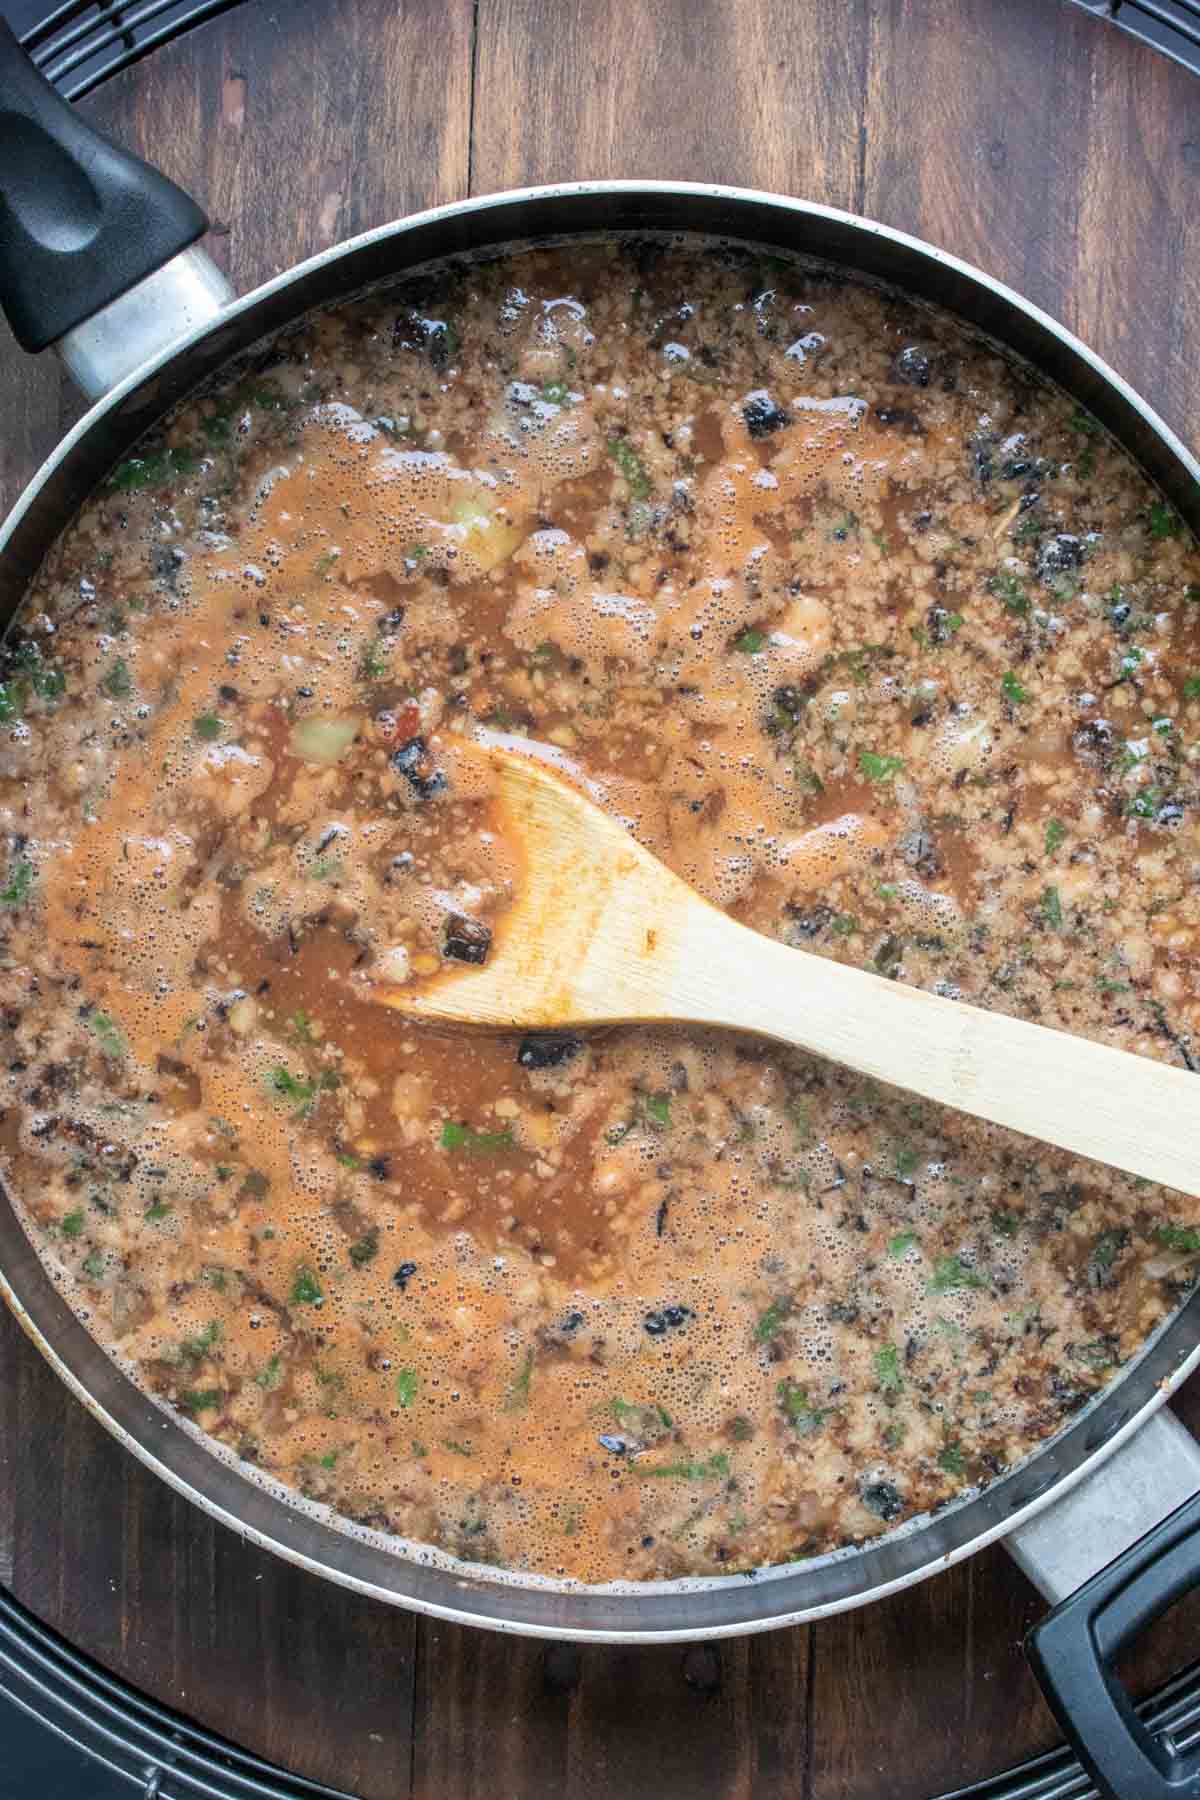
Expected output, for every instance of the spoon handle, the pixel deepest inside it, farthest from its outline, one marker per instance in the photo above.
(1130, 1111)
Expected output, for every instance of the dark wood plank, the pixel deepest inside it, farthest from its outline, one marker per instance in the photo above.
(1027, 138)
(297, 126)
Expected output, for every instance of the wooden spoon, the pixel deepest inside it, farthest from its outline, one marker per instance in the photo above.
(601, 933)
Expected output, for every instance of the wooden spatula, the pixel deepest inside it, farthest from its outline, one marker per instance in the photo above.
(601, 932)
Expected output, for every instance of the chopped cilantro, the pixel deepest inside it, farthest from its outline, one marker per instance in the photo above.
(658, 1108)
(887, 1369)
(631, 467)
(151, 470)
(198, 1400)
(107, 1034)
(802, 1416)
(770, 1321)
(879, 768)
(406, 1386)
(306, 1289)
(93, 1264)
(1006, 587)
(365, 1249)
(1191, 688)
(157, 1211)
(208, 727)
(517, 1397)
(476, 1143)
(118, 682)
(1172, 1237)
(902, 1243)
(1013, 690)
(1052, 910)
(329, 1460)
(951, 1458)
(1161, 521)
(16, 890)
(950, 1272)
(270, 1376)
(1056, 832)
(73, 1223)
(713, 1468)
(750, 642)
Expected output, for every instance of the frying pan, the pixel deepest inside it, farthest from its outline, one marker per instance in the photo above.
(99, 256)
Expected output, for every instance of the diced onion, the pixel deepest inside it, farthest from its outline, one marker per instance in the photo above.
(322, 740)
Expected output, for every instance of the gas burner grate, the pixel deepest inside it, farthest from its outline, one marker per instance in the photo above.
(1172, 26)
(83, 42)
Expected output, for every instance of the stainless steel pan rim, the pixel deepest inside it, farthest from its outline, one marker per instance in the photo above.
(369, 1563)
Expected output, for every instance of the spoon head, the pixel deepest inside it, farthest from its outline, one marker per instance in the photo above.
(587, 928)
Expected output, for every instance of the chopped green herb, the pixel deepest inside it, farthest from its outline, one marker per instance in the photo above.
(902, 1243)
(1191, 688)
(374, 665)
(887, 1369)
(951, 1458)
(658, 1108)
(406, 1386)
(16, 890)
(159, 1210)
(348, 1161)
(151, 470)
(118, 682)
(73, 1223)
(475, 1143)
(306, 1289)
(198, 1400)
(907, 1162)
(301, 1024)
(1056, 832)
(879, 768)
(771, 1321)
(93, 1264)
(329, 1460)
(1172, 1237)
(107, 1034)
(631, 467)
(327, 560)
(365, 1249)
(1006, 587)
(1005, 1224)
(517, 1397)
(1080, 421)
(199, 1346)
(1052, 908)
(208, 727)
(844, 925)
(457, 1448)
(950, 1272)
(712, 1468)
(270, 1376)
(556, 393)
(802, 1416)
(1162, 522)
(750, 642)
(1013, 690)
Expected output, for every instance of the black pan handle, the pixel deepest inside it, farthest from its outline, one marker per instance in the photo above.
(81, 221)
(1075, 1648)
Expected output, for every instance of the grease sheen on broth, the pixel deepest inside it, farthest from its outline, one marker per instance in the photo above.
(871, 635)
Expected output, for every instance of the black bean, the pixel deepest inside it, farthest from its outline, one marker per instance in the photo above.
(404, 1275)
(544, 1050)
(413, 761)
(380, 1167)
(1057, 555)
(668, 1318)
(884, 1500)
(912, 367)
(466, 940)
(226, 693)
(763, 416)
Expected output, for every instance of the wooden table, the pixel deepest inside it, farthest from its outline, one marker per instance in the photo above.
(1021, 134)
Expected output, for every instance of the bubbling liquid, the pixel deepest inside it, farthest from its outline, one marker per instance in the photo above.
(872, 637)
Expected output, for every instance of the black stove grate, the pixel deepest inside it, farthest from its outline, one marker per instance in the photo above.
(83, 42)
(1172, 26)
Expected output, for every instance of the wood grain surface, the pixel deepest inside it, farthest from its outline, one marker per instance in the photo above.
(1021, 134)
